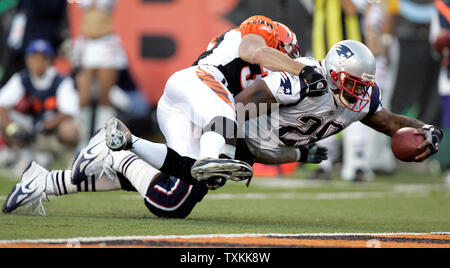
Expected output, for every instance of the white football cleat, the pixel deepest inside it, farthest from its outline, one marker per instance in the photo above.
(29, 192)
(118, 136)
(229, 169)
(90, 160)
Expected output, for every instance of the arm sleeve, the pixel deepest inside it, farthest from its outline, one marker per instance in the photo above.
(12, 92)
(375, 104)
(261, 26)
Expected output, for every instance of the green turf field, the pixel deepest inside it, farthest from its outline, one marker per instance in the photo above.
(410, 201)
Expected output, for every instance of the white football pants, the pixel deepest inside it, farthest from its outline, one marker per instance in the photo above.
(191, 99)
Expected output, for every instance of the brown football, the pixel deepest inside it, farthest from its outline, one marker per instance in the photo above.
(404, 144)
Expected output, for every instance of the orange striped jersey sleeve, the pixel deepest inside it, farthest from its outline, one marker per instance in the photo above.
(262, 26)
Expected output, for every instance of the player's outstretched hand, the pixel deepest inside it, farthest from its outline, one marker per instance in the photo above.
(317, 84)
(433, 136)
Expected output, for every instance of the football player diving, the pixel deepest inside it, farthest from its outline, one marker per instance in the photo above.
(203, 95)
(301, 120)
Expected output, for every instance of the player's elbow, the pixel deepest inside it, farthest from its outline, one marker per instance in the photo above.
(260, 56)
(252, 55)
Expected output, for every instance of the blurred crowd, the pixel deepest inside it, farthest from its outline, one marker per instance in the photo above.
(49, 110)
(57, 89)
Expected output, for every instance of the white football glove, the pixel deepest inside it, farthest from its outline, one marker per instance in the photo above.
(433, 135)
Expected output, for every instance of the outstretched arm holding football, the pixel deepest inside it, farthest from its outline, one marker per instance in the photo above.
(389, 123)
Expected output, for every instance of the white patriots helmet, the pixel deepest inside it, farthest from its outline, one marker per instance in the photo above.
(350, 68)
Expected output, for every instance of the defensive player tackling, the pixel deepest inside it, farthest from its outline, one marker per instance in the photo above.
(299, 121)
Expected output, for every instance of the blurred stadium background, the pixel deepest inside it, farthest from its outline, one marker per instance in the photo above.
(163, 36)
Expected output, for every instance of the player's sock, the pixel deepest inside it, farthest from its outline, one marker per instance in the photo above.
(228, 151)
(178, 166)
(138, 172)
(59, 183)
(214, 138)
(164, 159)
(153, 153)
(211, 144)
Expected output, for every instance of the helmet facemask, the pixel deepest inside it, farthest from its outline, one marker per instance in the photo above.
(353, 91)
(288, 41)
(291, 49)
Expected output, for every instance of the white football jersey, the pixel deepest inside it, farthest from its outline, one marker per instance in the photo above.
(300, 120)
(223, 53)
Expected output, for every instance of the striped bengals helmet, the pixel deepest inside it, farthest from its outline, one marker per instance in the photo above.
(288, 40)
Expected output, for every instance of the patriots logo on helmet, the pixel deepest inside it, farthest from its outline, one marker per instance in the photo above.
(344, 52)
